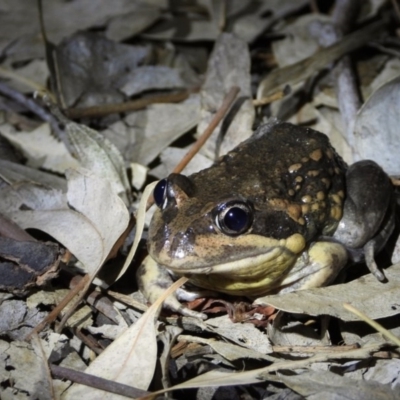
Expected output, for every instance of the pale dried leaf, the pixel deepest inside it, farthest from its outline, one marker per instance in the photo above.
(367, 294)
(229, 351)
(91, 229)
(376, 128)
(176, 28)
(54, 343)
(35, 72)
(218, 378)
(150, 78)
(288, 331)
(169, 159)
(130, 359)
(17, 320)
(46, 297)
(34, 197)
(70, 228)
(225, 70)
(94, 199)
(385, 372)
(130, 24)
(155, 128)
(140, 220)
(41, 357)
(81, 318)
(139, 175)
(298, 43)
(19, 364)
(107, 331)
(245, 334)
(91, 69)
(396, 252)
(97, 154)
(15, 173)
(245, 21)
(388, 73)
(331, 386)
(42, 149)
(248, 26)
(20, 32)
(329, 121)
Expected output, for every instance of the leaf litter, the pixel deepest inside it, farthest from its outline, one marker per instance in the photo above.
(74, 191)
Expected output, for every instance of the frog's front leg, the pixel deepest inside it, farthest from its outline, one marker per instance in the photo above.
(316, 267)
(154, 280)
(368, 213)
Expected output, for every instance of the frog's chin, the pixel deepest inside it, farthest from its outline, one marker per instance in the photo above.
(253, 276)
(250, 259)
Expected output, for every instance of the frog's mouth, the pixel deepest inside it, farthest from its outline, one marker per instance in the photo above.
(248, 265)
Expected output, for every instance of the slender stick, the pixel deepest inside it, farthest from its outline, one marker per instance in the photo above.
(33, 106)
(96, 382)
(229, 99)
(378, 327)
(53, 315)
(106, 109)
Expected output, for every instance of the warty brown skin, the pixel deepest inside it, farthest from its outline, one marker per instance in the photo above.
(293, 186)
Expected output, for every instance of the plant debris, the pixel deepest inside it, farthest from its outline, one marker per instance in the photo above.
(98, 100)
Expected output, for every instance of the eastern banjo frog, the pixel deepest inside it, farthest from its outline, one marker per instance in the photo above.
(280, 212)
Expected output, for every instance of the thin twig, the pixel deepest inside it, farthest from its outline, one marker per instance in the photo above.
(228, 100)
(84, 285)
(53, 315)
(226, 104)
(96, 382)
(269, 99)
(25, 81)
(347, 91)
(10, 229)
(33, 106)
(378, 327)
(107, 109)
(313, 349)
(304, 69)
(89, 342)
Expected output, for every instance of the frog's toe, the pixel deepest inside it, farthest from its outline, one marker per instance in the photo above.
(174, 305)
(194, 293)
(369, 251)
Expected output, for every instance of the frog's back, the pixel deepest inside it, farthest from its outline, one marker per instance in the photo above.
(283, 171)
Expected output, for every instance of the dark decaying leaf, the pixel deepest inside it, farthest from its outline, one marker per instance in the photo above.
(27, 264)
(143, 78)
(91, 69)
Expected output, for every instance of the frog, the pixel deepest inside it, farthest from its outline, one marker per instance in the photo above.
(281, 212)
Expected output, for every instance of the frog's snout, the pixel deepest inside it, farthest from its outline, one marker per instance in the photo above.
(182, 244)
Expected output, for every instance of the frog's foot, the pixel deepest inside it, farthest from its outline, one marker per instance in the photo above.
(154, 280)
(316, 268)
(369, 252)
(376, 244)
(368, 214)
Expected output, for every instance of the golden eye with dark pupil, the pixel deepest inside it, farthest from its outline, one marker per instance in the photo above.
(159, 193)
(234, 218)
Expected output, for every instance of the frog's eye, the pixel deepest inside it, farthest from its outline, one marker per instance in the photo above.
(234, 218)
(160, 193)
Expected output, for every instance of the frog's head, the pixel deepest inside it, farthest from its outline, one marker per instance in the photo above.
(223, 240)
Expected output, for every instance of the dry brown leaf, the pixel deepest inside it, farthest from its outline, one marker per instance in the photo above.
(373, 298)
(42, 149)
(225, 70)
(376, 128)
(90, 229)
(130, 359)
